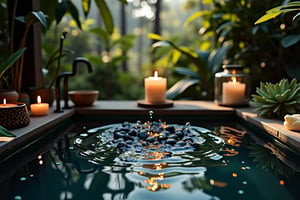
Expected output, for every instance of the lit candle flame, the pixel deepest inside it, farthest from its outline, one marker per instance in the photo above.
(233, 79)
(38, 99)
(155, 74)
(4, 101)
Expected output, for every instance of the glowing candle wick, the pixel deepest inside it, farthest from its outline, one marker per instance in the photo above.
(233, 79)
(39, 100)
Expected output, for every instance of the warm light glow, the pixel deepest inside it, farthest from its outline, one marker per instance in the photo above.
(217, 183)
(233, 79)
(154, 184)
(281, 182)
(39, 108)
(5, 105)
(38, 99)
(235, 175)
(155, 89)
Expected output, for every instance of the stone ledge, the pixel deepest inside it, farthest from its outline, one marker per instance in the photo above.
(274, 127)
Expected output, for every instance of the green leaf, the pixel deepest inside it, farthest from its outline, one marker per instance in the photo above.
(267, 17)
(175, 56)
(101, 33)
(186, 72)
(180, 87)
(86, 4)
(4, 132)
(195, 16)
(60, 10)
(296, 16)
(160, 44)
(216, 58)
(290, 40)
(10, 61)
(154, 36)
(34, 16)
(41, 17)
(74, 13)
(106, 15)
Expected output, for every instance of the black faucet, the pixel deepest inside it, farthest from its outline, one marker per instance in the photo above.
(65, 76)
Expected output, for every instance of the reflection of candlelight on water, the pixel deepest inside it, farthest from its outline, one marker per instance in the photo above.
(154, 185)
(232, 137)
(153, 181)
(218, 183)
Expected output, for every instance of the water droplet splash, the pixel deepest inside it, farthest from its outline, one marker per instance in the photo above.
(153, 140)
(151, 112)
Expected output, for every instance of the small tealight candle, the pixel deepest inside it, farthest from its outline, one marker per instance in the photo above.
(233, 92)
(5, 105)
(39, 108)
(155, 89)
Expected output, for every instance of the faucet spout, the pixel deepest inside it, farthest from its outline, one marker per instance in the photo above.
(81, 60)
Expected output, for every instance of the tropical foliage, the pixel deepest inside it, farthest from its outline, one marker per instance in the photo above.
(196, 67)
(264, 49)
(293, 6)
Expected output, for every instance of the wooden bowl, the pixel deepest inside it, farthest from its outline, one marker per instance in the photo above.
(83, 98)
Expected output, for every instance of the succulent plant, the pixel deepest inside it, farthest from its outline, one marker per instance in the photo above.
(277, 100)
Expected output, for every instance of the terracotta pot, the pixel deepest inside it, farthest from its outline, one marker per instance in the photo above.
(9, 95)
(47, 95)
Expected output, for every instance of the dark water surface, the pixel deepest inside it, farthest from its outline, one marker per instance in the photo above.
(224, 160)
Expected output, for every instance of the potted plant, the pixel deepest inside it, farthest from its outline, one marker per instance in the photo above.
(17, 68)
(5, 90)
(15, 60)
(275, 100)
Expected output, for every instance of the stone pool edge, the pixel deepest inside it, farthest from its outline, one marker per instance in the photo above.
(40, 124)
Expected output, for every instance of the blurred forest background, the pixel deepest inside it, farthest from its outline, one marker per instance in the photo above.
(192, 40)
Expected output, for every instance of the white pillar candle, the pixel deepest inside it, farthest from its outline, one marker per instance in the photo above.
(233, 93)
(155, 89)
(39, 109)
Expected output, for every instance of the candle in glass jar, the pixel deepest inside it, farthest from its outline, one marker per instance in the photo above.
(39, 108)
(7, 105)
(155, 89)
(233, 92)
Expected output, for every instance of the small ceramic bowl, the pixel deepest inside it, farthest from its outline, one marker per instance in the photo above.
(83, 97)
